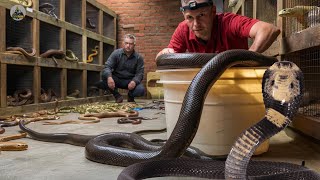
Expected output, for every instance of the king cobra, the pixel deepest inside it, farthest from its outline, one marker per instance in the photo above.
(282, 91)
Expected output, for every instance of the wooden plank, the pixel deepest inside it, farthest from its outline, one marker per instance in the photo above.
(108, 40)
(2, 30)
(238, 6)
(94, 67)
(36, 83)
(102, 7)
(9, 58)
(273, 50)
(61, 63)
(93, 35)
(51, 105)
(307, 125)
(63, 83)
(99, 37)
(84, 83)
(73, 28)
(3, 86)
(307, 38)
(49, 19)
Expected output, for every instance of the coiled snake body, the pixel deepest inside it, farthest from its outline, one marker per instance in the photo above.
(282, 89)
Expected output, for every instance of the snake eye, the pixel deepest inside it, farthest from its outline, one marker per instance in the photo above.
(291, 85)
(272, 82)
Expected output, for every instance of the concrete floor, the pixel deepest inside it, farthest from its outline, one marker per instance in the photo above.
(45, 160)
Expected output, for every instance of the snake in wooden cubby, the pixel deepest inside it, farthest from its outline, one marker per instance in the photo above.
(95, 53)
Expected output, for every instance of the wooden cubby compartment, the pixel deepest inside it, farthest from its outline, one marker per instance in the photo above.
(74, 43)
(55, 3)
(108, 26)
(73, 12)
(50, 79)
(75, 82)
(92, 78)
(107, 50)
(19, 78)
(49, 37)
(18, 33)
(91, 44)
(92, 18)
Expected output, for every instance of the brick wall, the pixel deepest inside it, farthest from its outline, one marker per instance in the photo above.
(152, 21)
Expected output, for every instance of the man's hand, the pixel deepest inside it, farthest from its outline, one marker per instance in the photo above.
(111, 83)
(165, 51)
(131, 85)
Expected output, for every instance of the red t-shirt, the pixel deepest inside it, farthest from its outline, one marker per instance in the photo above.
(230, 31)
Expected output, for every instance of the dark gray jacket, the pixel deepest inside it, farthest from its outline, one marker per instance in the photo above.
(118, 64)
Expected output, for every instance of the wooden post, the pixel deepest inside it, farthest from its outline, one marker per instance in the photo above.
(36, 31)
(3, 86)
(63, 31)
(100, 55)
(63, 83)
(36, 83)
(62, 10)
(84, 14)
(84, 83)
(282, 26)
(3, 29)
(254, 10)
(115, 31)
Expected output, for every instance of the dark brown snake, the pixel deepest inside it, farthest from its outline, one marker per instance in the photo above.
(56, 53)
(282, 89)
(20, 97)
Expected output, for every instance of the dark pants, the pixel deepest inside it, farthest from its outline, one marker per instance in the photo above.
(122, 84)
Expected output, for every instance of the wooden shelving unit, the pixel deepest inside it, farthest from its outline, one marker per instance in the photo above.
(301, 46)
(42, 32)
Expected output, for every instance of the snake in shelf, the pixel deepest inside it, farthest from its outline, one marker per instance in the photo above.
(22, 51)
(95, 53)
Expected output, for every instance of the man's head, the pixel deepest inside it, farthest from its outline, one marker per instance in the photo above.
(129, 41)
(199, 15)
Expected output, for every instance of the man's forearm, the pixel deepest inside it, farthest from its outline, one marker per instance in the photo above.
(264, 34)
(264, 40)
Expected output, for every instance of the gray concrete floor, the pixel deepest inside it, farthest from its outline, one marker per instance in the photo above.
(44, 160)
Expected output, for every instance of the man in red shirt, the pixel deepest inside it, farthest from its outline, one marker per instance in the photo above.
(204, 31)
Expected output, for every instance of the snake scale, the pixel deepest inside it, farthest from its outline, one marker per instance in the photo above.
(282, 88)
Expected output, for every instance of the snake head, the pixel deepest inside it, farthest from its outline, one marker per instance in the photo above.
(296, 11)
(283, 82)
(287, 12)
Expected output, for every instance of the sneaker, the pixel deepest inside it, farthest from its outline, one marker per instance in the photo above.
(130, 99)
(119, 99)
